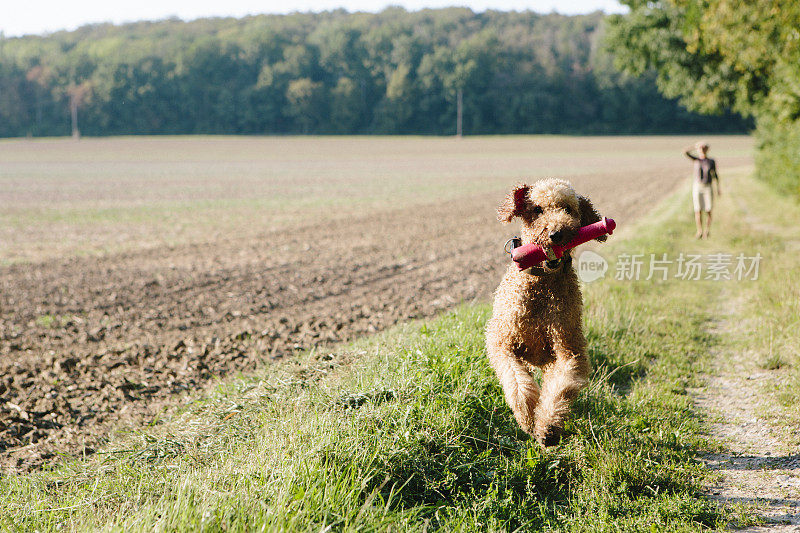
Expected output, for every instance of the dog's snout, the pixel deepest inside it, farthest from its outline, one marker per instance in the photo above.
(557, 237)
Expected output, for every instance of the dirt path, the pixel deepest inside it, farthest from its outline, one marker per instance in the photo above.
(758, 468)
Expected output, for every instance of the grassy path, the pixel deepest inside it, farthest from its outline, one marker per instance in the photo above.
(408, 430)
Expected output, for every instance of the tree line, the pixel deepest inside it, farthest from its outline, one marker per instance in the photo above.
(393, 72)
(716, 55)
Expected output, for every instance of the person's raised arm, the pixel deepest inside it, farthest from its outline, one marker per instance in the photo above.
(688, 152)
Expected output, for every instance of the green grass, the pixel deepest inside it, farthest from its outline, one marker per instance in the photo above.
(408, 430)
(428, 440)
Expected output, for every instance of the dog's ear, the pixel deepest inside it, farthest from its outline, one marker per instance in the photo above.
(513, 204)
(589, 214)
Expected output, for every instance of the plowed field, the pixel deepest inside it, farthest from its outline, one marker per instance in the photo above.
(134, 272)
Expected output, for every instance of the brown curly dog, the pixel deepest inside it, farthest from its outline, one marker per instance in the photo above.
(537, 312)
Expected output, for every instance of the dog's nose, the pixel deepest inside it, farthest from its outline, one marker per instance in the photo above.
(557, 237)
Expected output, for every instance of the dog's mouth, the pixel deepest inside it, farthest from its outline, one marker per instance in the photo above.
(553, 263)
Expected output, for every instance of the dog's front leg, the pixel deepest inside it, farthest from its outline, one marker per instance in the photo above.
(521, 391)
(561, 382)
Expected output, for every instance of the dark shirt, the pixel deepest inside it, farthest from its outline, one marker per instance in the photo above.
(705, 170)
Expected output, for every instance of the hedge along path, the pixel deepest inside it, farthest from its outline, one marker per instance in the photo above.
(759, 464)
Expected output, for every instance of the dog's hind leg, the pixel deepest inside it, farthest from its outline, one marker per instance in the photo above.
(561, 382)
(521, 391)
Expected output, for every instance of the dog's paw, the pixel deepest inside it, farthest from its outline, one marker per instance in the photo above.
(549, 437)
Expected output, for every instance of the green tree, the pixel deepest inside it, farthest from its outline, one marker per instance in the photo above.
(307, 104)
(719, 54)
(391, 72)
(348, 111)
(14, 115)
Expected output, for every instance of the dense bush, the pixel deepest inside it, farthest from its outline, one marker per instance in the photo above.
(778, 157)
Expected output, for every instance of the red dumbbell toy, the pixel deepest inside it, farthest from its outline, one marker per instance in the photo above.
(533, 254)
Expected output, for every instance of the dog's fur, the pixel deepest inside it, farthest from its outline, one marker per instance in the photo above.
(537, 315)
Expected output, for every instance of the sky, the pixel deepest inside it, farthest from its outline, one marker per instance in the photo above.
(46, 16)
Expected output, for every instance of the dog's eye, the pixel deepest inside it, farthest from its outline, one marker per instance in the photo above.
(568, 210)
(537, 210)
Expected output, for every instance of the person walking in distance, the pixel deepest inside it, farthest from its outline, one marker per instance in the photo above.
(705, 174)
